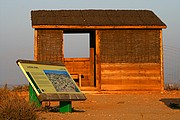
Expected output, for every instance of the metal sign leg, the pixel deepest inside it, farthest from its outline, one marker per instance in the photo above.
(65, 106)
(33, 97)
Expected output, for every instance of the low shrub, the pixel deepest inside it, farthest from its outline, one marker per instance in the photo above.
(12, 107)
(173, 86)
(21, 88)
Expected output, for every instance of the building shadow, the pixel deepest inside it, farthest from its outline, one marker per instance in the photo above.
(77, 110)
(56, 109)
(173, 103)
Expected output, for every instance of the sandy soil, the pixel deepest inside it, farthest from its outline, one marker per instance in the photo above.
(121, 106)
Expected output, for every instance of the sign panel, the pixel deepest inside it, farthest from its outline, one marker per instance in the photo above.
(48, 78)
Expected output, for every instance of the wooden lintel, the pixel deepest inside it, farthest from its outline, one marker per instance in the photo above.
(76, 59)
(96, 27)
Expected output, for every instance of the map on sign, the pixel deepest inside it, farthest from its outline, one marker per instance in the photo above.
(48, 78)
(61, 81)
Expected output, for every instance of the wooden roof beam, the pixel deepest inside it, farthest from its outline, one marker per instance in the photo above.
(97, 27)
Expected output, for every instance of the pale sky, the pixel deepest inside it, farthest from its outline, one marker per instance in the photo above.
(16, 33)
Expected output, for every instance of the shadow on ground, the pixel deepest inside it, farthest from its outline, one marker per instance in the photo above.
(173, 103)
(56, 109)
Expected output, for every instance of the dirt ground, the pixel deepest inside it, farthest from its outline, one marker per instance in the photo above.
(121, 106)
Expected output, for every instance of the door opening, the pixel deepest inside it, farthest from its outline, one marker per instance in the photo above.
(79, 56)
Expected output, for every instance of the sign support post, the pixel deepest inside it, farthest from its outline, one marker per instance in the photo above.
(65, 106)
(33, 97)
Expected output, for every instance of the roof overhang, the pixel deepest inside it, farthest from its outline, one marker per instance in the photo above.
(95, 27)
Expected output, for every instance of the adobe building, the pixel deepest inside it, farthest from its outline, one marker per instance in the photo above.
(126, 50)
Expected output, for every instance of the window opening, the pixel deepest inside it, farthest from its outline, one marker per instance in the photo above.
(76, 45)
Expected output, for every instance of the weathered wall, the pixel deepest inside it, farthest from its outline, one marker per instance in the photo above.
(130, 46)
(48, 45)
(130, 76)
(130, 59)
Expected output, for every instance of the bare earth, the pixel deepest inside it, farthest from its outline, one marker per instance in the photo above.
(121, 106)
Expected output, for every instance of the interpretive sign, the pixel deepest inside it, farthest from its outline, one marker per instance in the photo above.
(50, 81)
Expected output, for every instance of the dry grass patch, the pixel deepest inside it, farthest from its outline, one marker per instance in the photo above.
(12, 107)
(21, 88)
(172, 86)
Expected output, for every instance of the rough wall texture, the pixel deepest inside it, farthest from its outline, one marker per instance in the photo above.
(130, 46)
(49, 45)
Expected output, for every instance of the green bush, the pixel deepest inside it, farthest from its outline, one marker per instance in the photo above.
(12, 107)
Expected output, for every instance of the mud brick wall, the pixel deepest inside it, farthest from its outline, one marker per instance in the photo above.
(130, 46)
(49, 45)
